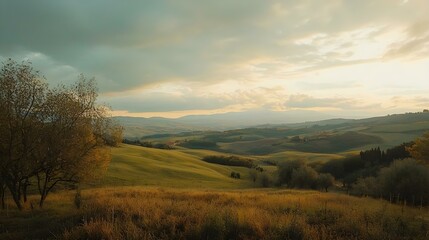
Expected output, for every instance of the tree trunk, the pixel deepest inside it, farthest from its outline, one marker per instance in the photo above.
(24, 190)
(16, 196)
(42, 185)
(2, 193)
(42, 199)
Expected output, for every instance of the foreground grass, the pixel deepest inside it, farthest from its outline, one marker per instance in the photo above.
(144, 213)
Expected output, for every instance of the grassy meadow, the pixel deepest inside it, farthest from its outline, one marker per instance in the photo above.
(139, 166)
(172, 194)
(164, 213)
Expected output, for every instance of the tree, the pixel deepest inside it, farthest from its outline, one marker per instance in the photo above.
(76, 132)
(368, 186)
(420, 149)
(285, 170)
(406, 179)
(304, 177)
(253, 173)
(2, 193)
(325, 180)
(22, 94)
(265, 180)
(50, 136)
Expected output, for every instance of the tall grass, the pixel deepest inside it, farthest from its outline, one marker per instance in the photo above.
(172, 214)
(156, 213)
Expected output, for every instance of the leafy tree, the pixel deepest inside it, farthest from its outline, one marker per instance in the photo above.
(285, 170)
(76, 132)
(368, 186)
(265, 179)
(420, 149)
(334, 167)
(325, 180)
(253, 173)
(406, 179)
(304, 177)
(50, 136)
(22, 95)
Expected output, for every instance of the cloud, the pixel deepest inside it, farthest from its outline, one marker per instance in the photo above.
(303, 101)
(415, 45)
(176, 98)
(142, 42)
(415, 102)
(254, 44)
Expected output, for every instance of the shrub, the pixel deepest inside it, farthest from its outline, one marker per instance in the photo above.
(235, 175)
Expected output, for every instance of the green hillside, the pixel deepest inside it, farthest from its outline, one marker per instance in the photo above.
(134, 165)
(329, 136)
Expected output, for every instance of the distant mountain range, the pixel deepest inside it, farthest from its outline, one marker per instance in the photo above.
(139, 126)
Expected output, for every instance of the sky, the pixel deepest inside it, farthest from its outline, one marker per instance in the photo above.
(345, 58)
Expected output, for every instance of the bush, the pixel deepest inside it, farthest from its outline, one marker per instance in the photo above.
(235, 175)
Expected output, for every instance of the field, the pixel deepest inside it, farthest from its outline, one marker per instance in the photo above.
(184, 168)
(139, 166)
(328, 137)
(159, 213)
(150, 193)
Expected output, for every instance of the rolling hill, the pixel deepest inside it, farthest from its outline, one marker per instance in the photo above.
(184, 168)
(136, 127)
(327, 136)
(134, 165)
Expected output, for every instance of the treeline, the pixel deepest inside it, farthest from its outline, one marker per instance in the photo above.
(404, 181)
(199, 144)
(148, 144)
(398, 174)
(367, 163)
(297, 174)
(49, 136)
(230, 161)
(375, 156)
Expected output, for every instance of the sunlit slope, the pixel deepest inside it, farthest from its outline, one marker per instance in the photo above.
(134, 165)
(306, 157)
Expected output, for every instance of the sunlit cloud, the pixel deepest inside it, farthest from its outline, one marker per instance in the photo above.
(173, 58)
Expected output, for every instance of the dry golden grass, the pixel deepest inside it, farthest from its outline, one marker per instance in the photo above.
(157, 213)
(136, 213)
